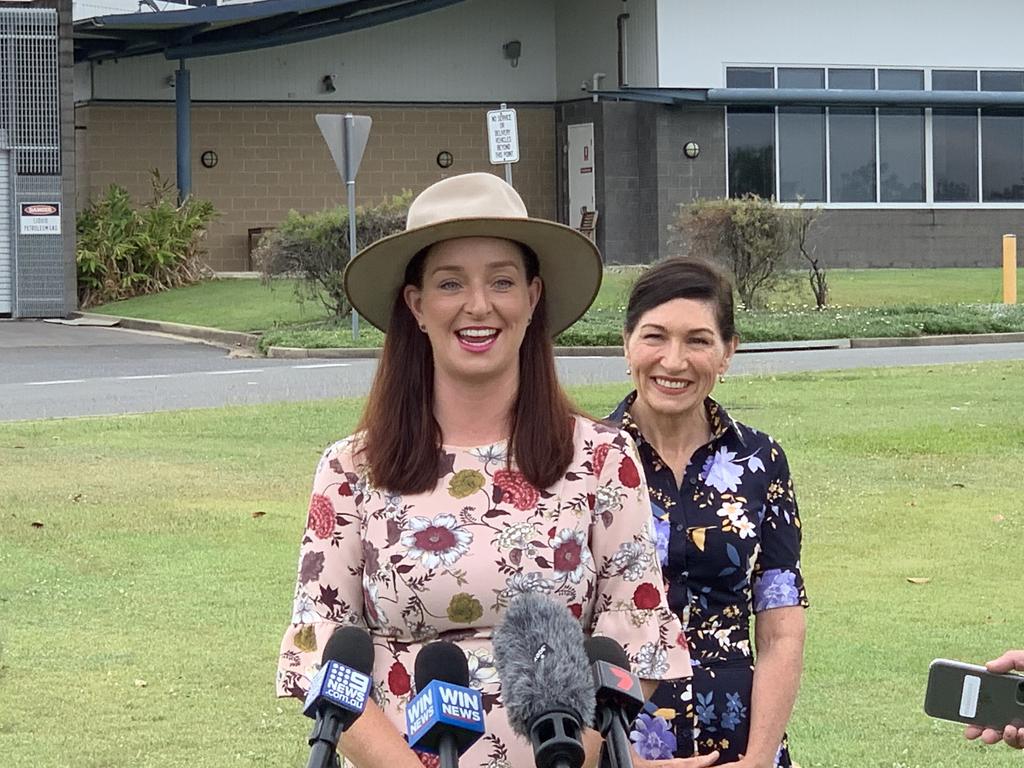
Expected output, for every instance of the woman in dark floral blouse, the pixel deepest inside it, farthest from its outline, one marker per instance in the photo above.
(726, 522)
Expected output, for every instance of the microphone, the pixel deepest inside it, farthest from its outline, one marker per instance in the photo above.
(446, 717)
(546, 686)
(338, 693)
(619, 698)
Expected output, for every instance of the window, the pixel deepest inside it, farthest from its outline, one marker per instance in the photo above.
(751, 137)
(955, 141)
(852, 141)
(801, 140)
(1002, 143)
(901, 141)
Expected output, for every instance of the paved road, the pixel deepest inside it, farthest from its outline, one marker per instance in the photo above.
(59, 371)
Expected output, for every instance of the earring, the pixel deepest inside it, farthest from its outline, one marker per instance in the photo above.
(721, 378)
(629, 371)
(423, 328)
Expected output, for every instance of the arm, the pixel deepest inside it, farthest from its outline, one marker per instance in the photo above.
(1011, 735)
(372, 741)
(779, 635)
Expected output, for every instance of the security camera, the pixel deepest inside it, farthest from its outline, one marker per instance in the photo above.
(584, 86)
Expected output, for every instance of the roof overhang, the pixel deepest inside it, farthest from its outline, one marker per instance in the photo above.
(815, 97)
(218, 29)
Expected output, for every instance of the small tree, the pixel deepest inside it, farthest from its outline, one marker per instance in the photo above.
(816, 274)
(754, 237)
(315, 248)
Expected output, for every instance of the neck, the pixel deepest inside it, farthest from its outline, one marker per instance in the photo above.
(676, 436)
(474, 412)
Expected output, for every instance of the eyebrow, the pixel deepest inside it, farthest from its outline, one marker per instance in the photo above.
(492, 266)
(663, 329)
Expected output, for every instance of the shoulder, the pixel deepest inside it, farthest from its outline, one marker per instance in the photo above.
(754, 441)
(592, 433)
(343, 456)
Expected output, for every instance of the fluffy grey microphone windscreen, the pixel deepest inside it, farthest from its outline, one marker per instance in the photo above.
(539, 653)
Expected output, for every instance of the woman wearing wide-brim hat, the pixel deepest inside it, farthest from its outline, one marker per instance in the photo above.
(472, 478)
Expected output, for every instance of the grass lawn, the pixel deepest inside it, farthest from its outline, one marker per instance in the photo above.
(139, 623)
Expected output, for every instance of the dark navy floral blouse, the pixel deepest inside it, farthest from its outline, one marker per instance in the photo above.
(729, 544)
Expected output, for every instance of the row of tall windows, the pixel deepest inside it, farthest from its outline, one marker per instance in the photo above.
(871, 155)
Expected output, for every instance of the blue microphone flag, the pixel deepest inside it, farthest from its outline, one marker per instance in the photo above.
(444, 706)
(339, 685)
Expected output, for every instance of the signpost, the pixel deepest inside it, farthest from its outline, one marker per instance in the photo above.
(503, 138)
(346, 137)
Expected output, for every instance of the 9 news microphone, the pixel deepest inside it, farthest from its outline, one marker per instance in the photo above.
(338, 693)
(546, 685)
(619, 699)
(446, 717)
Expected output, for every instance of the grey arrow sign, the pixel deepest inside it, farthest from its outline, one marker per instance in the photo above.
(347, 150)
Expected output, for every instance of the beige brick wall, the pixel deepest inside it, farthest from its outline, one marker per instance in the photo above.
(272, 159)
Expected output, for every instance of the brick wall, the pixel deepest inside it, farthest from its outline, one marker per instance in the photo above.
(272, 159)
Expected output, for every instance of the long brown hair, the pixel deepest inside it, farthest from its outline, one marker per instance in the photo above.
(402, 443)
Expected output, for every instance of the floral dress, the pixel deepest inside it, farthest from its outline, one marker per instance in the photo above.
(445, 564)
(728, 540)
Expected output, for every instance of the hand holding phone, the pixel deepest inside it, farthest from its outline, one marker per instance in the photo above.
(988, 700)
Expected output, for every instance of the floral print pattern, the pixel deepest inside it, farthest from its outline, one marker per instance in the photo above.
(446, 564)
(728, 542)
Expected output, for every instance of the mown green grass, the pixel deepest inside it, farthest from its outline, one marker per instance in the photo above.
(153, 565)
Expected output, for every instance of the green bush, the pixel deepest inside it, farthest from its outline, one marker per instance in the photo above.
(124, 251)
(755, 238)
(314, 247)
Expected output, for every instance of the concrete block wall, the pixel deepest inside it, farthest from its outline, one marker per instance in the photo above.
(272, 159)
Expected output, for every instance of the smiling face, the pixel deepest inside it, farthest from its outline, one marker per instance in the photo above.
(474, 304)
(676, 352)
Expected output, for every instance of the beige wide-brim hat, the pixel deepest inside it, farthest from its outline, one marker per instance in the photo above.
(477, 205)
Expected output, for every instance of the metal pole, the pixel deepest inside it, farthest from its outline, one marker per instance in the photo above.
(508, 166)
(1009, 269)
(350, 186)
(183, 127)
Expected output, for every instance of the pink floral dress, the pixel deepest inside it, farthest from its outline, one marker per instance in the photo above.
(445, 564)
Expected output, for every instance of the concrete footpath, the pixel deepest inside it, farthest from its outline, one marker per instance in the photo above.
(250, 341)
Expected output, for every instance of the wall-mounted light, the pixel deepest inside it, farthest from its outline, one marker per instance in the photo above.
(512, 50)
(691, 149)
(327, 84)
(209, 159)
(169, 81)
(444, 159)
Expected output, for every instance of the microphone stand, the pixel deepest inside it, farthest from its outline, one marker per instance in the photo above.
(615, 750)
(447, 751)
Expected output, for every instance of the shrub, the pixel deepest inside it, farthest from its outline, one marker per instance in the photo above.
(124, 251)
(315, 248)
(753, 237)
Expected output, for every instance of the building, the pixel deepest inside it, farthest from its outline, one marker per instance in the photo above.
(37, 162)
(905, 123)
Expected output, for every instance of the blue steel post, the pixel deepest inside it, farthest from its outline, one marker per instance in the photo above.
(183, 127)
(350, 186)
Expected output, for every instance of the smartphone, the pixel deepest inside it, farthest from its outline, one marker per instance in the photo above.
(968, 693)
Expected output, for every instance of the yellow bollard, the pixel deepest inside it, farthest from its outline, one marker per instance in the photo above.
(1009, 269)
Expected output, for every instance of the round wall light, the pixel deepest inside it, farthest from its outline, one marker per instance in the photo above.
(691, 149)
(208, 158)
(445, 159)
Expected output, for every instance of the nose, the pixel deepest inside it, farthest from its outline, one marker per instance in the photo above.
(676, 358)
(478, 301)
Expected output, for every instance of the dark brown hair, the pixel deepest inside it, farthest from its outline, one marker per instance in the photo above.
(683, 278)
(403, 440)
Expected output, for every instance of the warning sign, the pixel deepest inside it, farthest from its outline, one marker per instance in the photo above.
(40, 219)
(503, 136)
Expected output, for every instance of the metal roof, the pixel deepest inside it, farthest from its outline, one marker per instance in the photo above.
(815, 97)
(218, 29)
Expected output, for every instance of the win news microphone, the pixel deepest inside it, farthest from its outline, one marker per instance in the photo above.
(546, 684)
(446, 717)
(338, 693)
(619, 699)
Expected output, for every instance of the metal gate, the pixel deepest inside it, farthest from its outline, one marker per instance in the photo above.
(6, 256)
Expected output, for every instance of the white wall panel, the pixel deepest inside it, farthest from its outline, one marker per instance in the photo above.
(449, 55)
(698, 38)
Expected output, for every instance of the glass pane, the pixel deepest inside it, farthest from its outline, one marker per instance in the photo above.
(1002, 155)
(900, 80)
(955, 155)
(1002, 81)
(954, 80)
(852, 147)
(749, 77)
(901, 155)
(801, 153)
(791, 77)
(751, 151)
(855, 79)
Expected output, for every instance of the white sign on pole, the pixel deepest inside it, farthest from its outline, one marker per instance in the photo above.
(503, 136)
(333, 128)
(40, 219)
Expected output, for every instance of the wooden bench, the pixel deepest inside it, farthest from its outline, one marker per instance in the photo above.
(588, 223)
